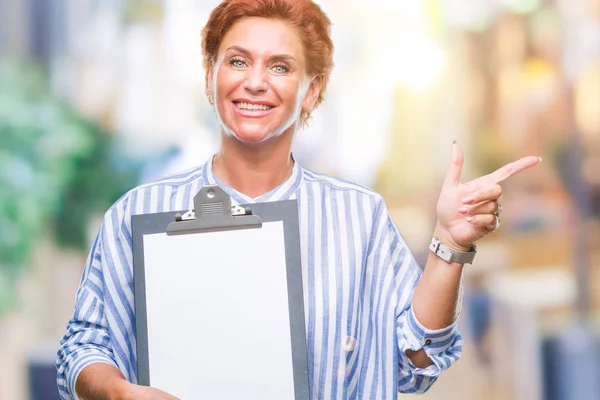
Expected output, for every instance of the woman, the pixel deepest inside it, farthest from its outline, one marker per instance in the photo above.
(376, 324)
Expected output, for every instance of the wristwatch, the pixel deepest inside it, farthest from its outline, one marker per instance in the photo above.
(447, 254)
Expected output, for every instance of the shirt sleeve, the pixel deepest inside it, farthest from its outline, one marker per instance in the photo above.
(443, 346)
(87, 338)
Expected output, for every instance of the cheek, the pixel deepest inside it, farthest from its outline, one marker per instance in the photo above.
(221, 88)
(289, 91)
(227, 81)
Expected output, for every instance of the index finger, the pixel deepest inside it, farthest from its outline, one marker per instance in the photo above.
(502, 174)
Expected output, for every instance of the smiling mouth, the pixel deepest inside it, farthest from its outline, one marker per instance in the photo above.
(252, 107)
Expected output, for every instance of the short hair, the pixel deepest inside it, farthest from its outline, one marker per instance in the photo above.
(308, 19)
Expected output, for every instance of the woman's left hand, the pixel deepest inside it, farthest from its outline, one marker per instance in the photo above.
(468, 211)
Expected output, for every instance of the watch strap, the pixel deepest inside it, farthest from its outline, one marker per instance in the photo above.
(449, 255)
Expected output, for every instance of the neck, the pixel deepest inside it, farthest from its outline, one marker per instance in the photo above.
(254, 169)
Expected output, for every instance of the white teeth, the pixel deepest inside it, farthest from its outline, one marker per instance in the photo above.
(255, 107)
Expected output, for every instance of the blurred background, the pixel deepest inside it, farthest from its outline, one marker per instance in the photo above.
(97, 96)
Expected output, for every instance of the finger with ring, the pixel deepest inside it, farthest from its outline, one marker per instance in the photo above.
(496, 225)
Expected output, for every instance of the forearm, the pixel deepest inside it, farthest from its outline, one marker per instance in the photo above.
(101, 381)
(437, 295)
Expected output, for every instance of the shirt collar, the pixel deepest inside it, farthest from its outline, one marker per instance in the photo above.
(286, 191)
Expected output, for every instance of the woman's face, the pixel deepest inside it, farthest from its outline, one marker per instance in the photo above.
(259, 80)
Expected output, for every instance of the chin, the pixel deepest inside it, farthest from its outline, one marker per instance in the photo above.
(252, 137)
(254, 133)
(249, 134)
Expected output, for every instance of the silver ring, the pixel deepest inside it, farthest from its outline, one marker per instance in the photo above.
(499, 210)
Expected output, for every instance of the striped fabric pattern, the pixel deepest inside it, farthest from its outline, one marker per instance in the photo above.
(358, 275)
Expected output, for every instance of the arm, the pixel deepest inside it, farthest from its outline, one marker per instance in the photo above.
(86, 363)
(87, 341)
(101, 381)
(104, 382)
(466, 213)
(439, 311)
(424, 350)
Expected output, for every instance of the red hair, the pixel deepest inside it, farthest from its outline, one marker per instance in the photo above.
(309, 21)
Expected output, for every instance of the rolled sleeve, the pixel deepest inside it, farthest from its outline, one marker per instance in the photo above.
(86, 342)
(87, 338)
(443, 347)
(83, 358)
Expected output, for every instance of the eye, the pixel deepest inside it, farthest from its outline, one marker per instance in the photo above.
(237, 62)
(281, 69)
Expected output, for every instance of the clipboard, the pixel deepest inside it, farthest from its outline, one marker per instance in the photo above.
(219, 300)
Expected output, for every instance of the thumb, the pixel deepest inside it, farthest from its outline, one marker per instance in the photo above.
(455, 170)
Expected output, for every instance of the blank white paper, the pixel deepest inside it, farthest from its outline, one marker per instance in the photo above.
(218, 316)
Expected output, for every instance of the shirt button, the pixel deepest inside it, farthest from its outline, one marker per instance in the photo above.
(350, 344)
(428, 342)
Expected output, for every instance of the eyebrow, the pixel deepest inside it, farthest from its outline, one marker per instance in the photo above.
(277, 57)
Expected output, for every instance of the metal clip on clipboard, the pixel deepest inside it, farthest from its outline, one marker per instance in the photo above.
(213, 212)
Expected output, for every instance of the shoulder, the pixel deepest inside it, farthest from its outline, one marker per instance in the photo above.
(175, 180)
(171, 193)
(338, 184)
(364, 208)
(360, 201)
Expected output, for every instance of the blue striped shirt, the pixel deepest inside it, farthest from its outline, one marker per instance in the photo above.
(358, 274)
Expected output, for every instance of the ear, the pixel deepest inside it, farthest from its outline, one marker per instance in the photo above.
(312, 94)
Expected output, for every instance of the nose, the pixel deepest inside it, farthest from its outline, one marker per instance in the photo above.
(255, 80)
